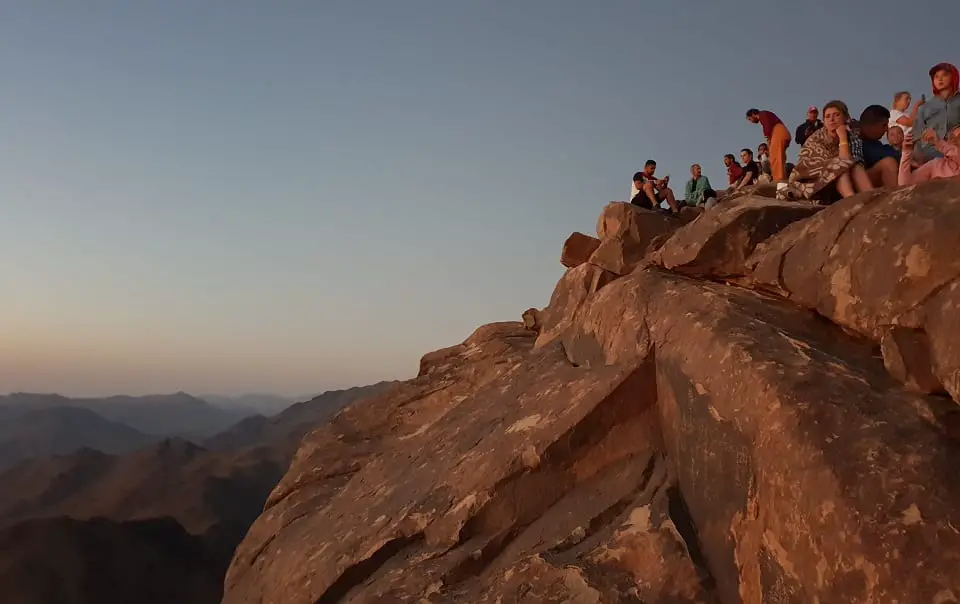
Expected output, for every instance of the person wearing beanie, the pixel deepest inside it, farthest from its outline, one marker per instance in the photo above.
(941, 113)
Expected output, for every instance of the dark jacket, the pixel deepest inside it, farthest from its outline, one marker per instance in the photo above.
(805, 129)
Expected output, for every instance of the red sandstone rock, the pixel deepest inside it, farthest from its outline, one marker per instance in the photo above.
(577, 249)
(719, 243)
(627, 233)
(906, 355)
(573, 289)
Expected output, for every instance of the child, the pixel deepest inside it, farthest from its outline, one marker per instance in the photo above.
(898, 112)
(940, 167)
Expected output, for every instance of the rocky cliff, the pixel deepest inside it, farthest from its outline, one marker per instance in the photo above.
(751, 407)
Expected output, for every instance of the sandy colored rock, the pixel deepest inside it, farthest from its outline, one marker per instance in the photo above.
(906, 355)
(577, 249)
(720, 242)
(688, 214)
(573, 289)
(532, 319)
(627, 233)
(807, 471)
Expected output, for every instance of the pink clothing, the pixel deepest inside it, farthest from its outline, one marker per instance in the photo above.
(941, 167)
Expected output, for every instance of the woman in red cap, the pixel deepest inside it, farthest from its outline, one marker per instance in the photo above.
(940, 113)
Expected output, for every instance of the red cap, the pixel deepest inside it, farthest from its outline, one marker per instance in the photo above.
(812, 108)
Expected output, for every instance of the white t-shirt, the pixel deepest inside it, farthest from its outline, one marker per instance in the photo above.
(894, 116)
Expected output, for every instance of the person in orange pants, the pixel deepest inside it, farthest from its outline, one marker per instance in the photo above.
(778, 138)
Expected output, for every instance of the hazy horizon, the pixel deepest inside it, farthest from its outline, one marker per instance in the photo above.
(242, 196)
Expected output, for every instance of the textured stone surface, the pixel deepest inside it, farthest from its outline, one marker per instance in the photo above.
(718, 244)
(627, 233)
(665, 438)
(577, 249)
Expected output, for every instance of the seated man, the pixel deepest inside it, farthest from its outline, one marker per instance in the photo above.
(698, 189)
(881, 160)
(750, 171)
(763, 158)
(733, 169)
(653, 190)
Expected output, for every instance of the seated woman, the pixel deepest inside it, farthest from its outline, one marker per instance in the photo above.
(830, 165)
(940, 167)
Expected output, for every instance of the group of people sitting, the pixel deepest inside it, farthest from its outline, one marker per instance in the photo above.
(839, 156)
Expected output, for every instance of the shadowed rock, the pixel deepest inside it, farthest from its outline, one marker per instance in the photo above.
(573, 289)
(577, 249)
(718, 244)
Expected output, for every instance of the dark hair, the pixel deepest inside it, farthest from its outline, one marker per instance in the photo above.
(747, 151)
(874, 114)
(753, 112)
(638, 176)
(839, 106)
(650, 162)
(731, 156)
(692, 166)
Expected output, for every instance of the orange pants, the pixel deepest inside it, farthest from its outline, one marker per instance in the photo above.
(779, 139)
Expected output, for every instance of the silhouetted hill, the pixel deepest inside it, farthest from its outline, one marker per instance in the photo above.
(61, 430)
(289, 426)
(66, 561)
(253, 403)
(212, 494)
(178, 414)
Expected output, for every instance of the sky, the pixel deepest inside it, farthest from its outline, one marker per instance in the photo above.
(236, 195)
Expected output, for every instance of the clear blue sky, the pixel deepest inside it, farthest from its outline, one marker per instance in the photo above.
(235, 195)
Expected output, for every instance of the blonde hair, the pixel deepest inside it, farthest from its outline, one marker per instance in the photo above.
(900, 95)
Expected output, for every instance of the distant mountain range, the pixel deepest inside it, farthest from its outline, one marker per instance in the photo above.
(178, 414)
(207, 495)
(62, 430)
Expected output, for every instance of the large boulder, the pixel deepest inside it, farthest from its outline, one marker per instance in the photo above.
(809, 474)
(718, 244)
(545, 475)
(627, 233)
(573, 289)
(577, 249)
(876, 260)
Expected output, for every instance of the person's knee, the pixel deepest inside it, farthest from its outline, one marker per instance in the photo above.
(648, 187)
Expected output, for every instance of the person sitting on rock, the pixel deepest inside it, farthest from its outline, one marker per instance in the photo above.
(763, 158)
(895, 137)
(881, 160)
(698, 189)
(655, 190)
(808, 127)
(750, 171)
(946, 166)
(830, 164)
(734, 171)
(778, 138)
(941, 113)
(900, 114)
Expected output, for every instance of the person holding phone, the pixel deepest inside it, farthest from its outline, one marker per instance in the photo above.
(657, 190)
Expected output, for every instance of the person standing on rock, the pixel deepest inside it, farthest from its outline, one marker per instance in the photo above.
(807, 128)
(830, 165)
(941, 113)
(654, 190)
(698, 188)
(778, 138)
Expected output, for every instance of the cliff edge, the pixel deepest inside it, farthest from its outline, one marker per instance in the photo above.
(747, 405)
